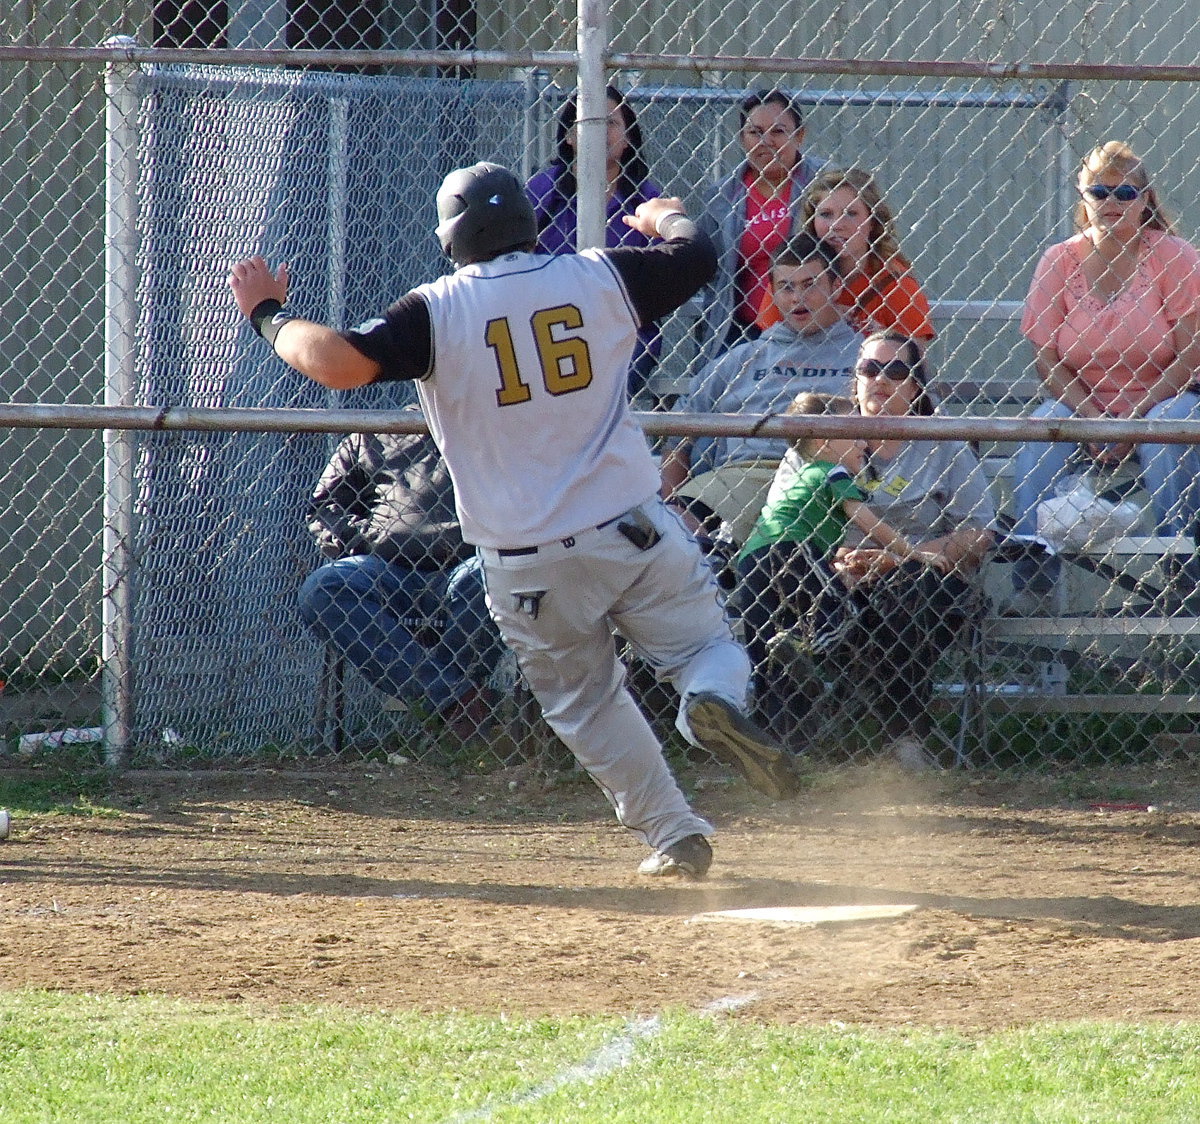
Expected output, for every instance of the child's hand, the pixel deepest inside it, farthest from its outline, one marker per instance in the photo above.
(933, 558)
(864, 564)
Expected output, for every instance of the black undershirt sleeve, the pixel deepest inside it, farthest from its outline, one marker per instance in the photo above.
(659, 279)
(401, 341)
(662, 277)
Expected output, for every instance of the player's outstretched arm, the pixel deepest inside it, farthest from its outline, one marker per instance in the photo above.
(312, 349)
(663, 276)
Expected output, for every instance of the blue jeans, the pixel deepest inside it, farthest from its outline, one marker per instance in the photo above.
(412, 634)
(1168, 471)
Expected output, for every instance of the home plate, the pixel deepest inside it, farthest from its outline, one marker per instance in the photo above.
(807, 915)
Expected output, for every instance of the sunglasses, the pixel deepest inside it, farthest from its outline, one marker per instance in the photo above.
(895, 370)
(1123, 193)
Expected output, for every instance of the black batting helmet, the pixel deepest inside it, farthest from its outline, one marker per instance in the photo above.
(482, 212)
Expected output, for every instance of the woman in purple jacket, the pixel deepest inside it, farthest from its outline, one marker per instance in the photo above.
(552, 192)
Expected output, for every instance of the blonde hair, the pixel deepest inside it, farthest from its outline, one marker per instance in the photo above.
(885, 247)
(1116, 156)
(808, 403)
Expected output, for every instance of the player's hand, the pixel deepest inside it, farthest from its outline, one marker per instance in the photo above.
(646, 218)
(253, 282)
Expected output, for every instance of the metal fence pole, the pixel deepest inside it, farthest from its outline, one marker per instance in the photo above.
(1065, 170)
(120, 327)
(940, 427)
(591, 124)
(534, 150)
(336, 166)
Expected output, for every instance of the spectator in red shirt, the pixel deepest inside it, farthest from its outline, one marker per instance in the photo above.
(752, 213)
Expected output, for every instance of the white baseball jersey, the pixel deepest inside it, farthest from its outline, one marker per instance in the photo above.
(521, 366)
(527, 397)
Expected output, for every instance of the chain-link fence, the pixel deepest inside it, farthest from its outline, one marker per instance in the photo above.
(181, 558)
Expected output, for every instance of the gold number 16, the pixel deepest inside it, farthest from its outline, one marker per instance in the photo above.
(566, 363)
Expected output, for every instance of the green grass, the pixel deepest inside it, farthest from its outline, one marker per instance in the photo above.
(61, 788)
(88, 1058)
(22, 675)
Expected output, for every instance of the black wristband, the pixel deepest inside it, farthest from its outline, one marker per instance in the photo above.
(267, 318)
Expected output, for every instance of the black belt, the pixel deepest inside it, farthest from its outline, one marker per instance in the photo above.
(522, 551)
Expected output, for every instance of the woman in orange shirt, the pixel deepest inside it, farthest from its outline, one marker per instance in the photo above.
(846, 209)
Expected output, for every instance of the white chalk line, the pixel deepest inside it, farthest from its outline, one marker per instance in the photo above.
(612, 1055)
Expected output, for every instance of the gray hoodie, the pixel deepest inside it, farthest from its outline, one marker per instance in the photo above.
(762, 377)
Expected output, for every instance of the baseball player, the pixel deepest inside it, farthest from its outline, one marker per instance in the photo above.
(520, 363)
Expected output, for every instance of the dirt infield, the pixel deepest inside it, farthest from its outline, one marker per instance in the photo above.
(399, 888)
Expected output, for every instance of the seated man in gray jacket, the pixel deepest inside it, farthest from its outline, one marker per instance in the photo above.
(403, 599)
(814, 348)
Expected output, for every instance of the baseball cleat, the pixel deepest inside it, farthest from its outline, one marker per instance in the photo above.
(722, 729)
(689, 858)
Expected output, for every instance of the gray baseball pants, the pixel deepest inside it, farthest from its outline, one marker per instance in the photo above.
(557, 608)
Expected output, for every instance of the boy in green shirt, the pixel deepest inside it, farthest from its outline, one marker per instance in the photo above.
(787, 580)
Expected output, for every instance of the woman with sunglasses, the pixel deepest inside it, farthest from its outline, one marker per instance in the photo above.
(1113, 315)
(846, 209)
(905, 613)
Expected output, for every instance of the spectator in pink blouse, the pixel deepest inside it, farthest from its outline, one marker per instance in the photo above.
(1113, 315)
